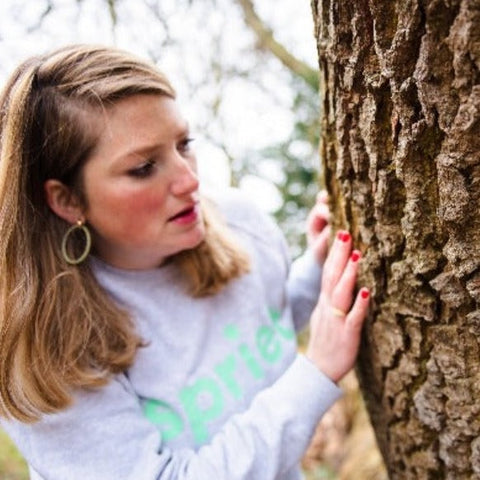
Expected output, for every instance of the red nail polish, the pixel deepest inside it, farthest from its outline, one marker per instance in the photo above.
(365, 293)
(340, 235)
(345, 237)
(355, 256)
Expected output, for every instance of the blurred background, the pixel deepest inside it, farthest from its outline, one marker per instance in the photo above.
(245, 72)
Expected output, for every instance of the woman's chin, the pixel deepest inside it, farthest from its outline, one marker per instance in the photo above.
(194, 240)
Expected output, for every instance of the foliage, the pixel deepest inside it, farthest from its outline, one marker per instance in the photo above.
(297, 160)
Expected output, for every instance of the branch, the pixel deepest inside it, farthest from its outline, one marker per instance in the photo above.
(47, 10)
(113, 12)
(266, 41)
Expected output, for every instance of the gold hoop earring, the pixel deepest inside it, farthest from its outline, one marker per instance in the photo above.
(88, 243)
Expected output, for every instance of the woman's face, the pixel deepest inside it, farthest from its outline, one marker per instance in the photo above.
(141, 185)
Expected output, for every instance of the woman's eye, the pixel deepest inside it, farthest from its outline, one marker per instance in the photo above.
(184, 145)
(143, 170)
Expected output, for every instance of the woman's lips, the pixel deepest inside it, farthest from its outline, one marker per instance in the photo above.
(186, 216)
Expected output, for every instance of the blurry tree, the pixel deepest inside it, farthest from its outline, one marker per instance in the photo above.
(401, 146)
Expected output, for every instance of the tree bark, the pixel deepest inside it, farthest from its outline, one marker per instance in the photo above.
(400, 89)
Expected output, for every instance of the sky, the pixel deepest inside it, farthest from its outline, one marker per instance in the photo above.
(252, 105)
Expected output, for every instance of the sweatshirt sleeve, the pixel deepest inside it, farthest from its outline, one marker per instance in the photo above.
(303, 287)
(105, 436)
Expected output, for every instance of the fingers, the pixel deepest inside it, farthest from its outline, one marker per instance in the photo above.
(320, 245)
(336, 261)
(358, 313)
(318, 219)
(322, 197)
(342, 293)
(319, 216)
(335, 337)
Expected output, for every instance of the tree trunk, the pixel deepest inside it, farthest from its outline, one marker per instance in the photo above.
(400, 88)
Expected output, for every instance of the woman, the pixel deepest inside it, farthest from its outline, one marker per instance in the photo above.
(147, 331)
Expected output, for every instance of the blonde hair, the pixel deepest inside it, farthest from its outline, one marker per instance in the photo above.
(58, 329)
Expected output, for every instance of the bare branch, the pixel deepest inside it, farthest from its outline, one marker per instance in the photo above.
(48, 9)
(266, 41)
(113, 12)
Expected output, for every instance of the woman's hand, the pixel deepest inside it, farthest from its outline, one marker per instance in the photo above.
(318, 228)
(335, 324)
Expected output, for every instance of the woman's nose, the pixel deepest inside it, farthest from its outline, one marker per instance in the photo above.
(185, 178)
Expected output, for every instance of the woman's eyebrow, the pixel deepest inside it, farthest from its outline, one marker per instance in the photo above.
(151, 146)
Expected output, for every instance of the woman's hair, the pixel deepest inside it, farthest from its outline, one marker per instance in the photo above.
(59, 330)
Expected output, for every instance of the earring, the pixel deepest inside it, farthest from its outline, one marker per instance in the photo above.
(88, 243)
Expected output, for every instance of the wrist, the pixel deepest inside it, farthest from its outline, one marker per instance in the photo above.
(323, 365)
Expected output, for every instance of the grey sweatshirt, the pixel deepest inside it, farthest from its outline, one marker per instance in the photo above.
(218, 393)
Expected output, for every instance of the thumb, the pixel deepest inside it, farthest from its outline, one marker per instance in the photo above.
(320, 245)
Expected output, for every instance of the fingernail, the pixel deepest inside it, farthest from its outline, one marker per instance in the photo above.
(345, 237)
(340, 235)
(364, 293)
(355, 256)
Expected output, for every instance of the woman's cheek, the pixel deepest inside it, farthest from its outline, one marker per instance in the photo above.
(145, 203)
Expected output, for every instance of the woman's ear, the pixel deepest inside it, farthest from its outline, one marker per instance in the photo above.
(62, 201)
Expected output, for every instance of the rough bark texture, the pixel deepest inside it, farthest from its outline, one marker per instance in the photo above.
(401, 152)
